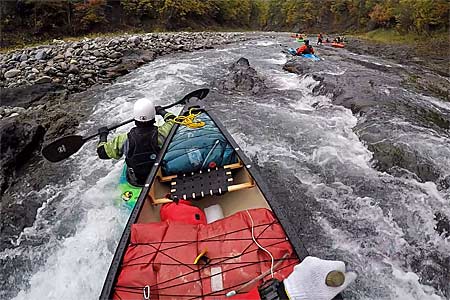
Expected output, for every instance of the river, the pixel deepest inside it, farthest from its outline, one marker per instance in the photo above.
(343, 208)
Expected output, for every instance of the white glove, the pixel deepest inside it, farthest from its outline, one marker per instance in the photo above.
(307, 281)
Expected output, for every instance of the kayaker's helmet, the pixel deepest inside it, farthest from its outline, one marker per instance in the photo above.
(144, 110)
(307, 42)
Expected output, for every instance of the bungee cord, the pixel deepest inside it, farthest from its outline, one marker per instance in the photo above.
(224, 259)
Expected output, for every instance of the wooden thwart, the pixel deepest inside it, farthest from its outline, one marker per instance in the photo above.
(230, 166)
(231, 188)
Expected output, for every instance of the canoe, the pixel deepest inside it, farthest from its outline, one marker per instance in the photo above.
(192, 234)
(337, 45)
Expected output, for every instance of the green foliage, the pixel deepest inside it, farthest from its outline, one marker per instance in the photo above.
(89, 13)
(138, 7)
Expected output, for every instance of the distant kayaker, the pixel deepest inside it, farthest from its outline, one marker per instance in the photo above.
(338, 39)
(312, 279)
(141, 144)
(306, 48)
(319, 39)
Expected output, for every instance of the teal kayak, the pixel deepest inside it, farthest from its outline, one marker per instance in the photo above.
(128, 192)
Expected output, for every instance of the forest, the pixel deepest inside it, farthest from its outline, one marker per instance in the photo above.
(32, 20)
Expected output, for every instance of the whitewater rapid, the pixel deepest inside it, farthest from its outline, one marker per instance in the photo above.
(348, 210)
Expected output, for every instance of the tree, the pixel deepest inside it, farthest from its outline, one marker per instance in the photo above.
(88, 14)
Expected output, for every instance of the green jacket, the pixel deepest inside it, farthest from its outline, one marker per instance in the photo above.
(116, 147)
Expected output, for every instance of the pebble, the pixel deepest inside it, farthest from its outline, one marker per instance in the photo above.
(41, 54)
(12, 73)
(43, 79)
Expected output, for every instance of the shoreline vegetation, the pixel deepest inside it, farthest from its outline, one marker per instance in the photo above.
(34, 21)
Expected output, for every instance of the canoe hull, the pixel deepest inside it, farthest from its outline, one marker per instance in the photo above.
(233, 201)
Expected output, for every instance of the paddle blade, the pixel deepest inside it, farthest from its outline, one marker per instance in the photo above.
(200, 94)
(63, 148)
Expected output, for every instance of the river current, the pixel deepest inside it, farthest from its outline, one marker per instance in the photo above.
(382, 226)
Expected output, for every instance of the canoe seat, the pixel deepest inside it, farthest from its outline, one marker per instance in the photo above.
(213, 181)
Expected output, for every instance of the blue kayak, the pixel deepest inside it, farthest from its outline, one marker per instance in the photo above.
(311, 56)
(308, 56)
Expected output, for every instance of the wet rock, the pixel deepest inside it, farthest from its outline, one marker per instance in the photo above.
(19, 140)
(442, 224)
(24, 96)
(243, 78)
(116, 71)
(294, 66)
(12, 73)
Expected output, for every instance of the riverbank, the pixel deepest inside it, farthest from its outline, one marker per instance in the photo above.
(430, 51)
(429, 58)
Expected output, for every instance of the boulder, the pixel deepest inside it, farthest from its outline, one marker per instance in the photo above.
(243, 78)
(24, 96)
(19, 140)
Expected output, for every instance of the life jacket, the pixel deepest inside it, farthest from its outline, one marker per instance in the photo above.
(141, 155)
(305, 50)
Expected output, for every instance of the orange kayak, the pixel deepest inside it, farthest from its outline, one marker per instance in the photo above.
(338, 45)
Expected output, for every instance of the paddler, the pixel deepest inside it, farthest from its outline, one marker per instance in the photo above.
(306, 48)
(319, 39)
(312, 279)
(141, 144)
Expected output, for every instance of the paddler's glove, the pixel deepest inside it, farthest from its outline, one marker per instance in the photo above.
(103, 132)
(311, 279)
(164, 113)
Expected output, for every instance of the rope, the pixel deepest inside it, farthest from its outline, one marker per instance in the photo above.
(261, 247)
(159, 287)
(189, 120)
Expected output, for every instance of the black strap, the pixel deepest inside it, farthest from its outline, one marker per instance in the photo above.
(272, 289)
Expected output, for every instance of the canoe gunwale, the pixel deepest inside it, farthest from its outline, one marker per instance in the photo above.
(280, 213)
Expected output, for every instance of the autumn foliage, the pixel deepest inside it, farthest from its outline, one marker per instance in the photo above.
(53, 18)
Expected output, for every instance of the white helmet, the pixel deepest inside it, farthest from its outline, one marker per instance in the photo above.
(144, 110)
